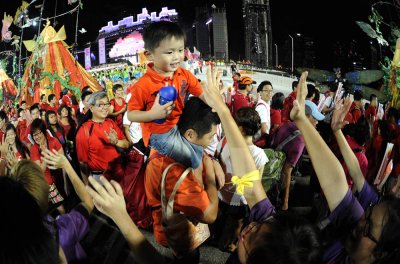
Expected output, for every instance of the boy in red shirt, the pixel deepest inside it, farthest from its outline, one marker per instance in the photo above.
(164, 47)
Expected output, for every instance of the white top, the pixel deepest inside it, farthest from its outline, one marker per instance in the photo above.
(135, 130)
(228, 193)
(212, 147)
(263, 110)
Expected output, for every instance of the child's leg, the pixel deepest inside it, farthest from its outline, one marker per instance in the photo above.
(174, 145)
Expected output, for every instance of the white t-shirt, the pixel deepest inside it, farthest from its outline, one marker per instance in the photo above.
(260, 159)
(212, 147)
(263, 110)
(135, 130)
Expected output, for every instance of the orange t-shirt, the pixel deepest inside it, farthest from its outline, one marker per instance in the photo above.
(144, 92)
(190, 198)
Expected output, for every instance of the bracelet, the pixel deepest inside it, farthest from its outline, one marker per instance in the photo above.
(245, 180)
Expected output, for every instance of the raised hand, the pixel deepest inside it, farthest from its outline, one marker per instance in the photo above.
(298, 110)
(3, 147)
(339, 114)
(54, 160)
(107, 197)
(211, 89)
(112, 136)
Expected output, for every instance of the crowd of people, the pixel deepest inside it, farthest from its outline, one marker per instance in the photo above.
(190, 170)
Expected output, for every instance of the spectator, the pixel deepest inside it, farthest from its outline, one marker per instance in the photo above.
(118, 104)
(275, 111)
(242, 96)
(288, 103)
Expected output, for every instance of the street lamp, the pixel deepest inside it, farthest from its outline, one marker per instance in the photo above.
(292, 51)
(276, 55)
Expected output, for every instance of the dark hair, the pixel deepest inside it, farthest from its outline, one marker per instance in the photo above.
(372, 96)
(42, 96)
(33, 107)
(249, 119)
(3, 115)
(358, 95)
(50, 97)
(310, 90)
(23, 102)
(38, 124)
(19, 111)
(73, 100)
(333, 87)
(41, 112)
(86, 89)
(289, 239)
(49, 126)
(362, 131)
(22, 149)
(393, 112)
(156, 32)
(294, 84)
(116, 87)
(277, 101)
(262, 84)
(65, 91)
(388, 248)
(84, 94)
(237, 73)
(71, 121)
(24, 237)
(198, 116)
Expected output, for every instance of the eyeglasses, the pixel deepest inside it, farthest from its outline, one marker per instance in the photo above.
(102, 105)
(267, 91)
(245, 232)
(37, 134)
(367, 226)
(247, 229)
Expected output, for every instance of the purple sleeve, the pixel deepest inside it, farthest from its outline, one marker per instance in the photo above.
(346, 215)
(72, 227)
(294, 150)
(349, 209)
(261, 211)
(367, 196)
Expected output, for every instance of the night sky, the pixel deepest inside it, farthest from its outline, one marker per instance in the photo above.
(325, 21)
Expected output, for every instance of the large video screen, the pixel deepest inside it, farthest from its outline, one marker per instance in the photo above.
(130, 45)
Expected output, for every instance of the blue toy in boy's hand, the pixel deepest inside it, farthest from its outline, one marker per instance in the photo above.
(167, 94)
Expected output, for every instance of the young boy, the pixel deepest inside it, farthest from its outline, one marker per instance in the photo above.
(164, 44)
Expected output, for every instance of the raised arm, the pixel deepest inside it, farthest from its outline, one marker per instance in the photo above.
(242, 161)
(327, 167)
(55, 160)
(109, 199)
(342, 107)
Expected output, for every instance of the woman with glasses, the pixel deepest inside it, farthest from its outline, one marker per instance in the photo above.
(98, 138)
(42, 141)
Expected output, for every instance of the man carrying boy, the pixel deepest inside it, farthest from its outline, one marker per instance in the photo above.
(164, 47)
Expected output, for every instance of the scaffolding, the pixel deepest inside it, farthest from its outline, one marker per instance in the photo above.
(258, 32)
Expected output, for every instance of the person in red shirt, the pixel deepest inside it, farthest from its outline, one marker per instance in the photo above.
(288, 103)
(356, 108)
(236, 79)
(67, 122)
(370, 112)
(42, 140)
(118, 104)
(164, 45)
(52, 103)
(275, 112)
(43, 102)
(242, 96)
(98, 138)
(197, 196)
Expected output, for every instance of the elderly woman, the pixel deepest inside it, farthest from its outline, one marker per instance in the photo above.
(98, 138)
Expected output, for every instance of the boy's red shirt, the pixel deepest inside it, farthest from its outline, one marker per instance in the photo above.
(144, 93)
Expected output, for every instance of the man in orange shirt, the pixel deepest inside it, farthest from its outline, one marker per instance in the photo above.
(196, 196)
(164, 46)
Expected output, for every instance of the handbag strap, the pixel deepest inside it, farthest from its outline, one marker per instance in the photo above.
(292, 136)
(168, 207)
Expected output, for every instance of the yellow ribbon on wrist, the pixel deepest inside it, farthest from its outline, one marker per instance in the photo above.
(245, 181)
